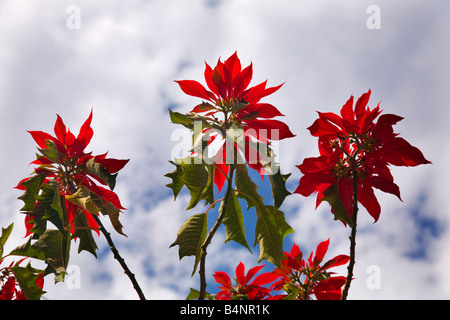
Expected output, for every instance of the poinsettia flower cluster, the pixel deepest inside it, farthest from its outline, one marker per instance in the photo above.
(63, 158)
(245, 289)
(353, 147)
(230, 103)
(300, 279)
(9, 286)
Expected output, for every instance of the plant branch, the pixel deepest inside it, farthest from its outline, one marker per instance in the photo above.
(352, 237)
(113, 248)
(211, 234)
(120, 259)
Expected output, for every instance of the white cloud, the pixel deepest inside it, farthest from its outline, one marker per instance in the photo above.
(122, 63)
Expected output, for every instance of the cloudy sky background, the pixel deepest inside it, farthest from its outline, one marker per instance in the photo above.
(121, 63)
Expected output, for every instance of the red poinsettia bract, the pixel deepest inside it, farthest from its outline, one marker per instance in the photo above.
(9, 286)
(64, 159)
(245, 289)
(353, 146)
(230, 104)
(302, 278)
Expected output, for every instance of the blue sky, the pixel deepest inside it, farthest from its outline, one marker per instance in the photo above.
(122, 61)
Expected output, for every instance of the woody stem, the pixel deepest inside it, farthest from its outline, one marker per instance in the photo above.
(202, 270)
(112, 246)
(120, 259)
(352, 237)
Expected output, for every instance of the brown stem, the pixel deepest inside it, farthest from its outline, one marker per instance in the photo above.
(113, 248)
(352, 237)
(211, 233)
(120, 259)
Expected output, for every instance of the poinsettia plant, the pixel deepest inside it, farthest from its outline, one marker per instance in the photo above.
(231, 113)
(233, 133)
(69, 188)
(355, 154)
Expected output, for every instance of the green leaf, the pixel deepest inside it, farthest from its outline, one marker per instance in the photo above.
(113, 213)
(248, 189)
(26, 277)
(99, 171)
(84, 233)
(28, 250)
(53, 247)
(5, 235)
(187, 120)
(32, 186)
(191, 236)
(51, 152)
(94, 204)
(271, 226)
(278, 184)
(197, 176)
(82, 198)
(194, 294)
(277, 180)
(183, 119)
(234, 221)
(332, 196)
(237, 105)
(177, 183)
(39, 224)
(271, 229)
(51, 202)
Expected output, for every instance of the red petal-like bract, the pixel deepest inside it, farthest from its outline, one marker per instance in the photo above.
(194, 88)
(228, 86)
(72, 161)
(355, 137)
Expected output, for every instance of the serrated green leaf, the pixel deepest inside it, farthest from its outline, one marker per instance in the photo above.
(197, 176)
(270, 231)
(249, 190)
(4, 237)
(39, 224)
(94, 204)
(26, 277)
(32, 187)
(237, 105)
(51, 202)
(28, 250)
(271, 226)
(177, 183)
(102, 173)
(53, 247)
(84, 234)
(183, 119)
(278, 184)
(191, 236)
(234, 221)
(187, 120)
(51, 152)
(332, 196)
(113, 213)
(82, 198)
